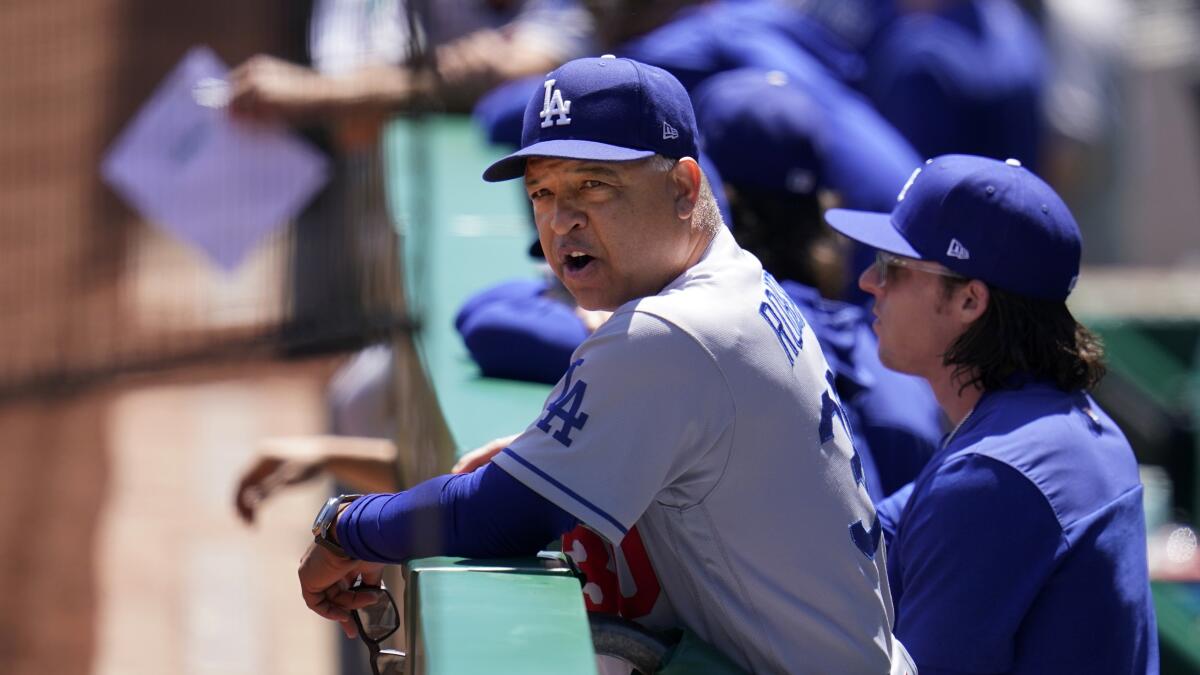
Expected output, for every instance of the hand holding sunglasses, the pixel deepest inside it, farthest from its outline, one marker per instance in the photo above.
(376, 622)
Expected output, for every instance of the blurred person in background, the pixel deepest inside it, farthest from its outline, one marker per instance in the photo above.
(364, 68)
(1086, 113)
(961, 76)
(951, 75)
(694, 41)
(360, 456)
(363, 72)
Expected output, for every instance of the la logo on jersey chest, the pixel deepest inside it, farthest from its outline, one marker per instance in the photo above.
(555, 111)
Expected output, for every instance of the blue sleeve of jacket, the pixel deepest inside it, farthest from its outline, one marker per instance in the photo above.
(485, 514)
(975, 545)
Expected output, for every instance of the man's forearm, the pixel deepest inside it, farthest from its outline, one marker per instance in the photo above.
(474, 64)
(486, 513)
(363, 474)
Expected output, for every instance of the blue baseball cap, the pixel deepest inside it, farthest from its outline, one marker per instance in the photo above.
(500, 113)
(774, 130)
(981, 218)
(606, 109)
(761, 130)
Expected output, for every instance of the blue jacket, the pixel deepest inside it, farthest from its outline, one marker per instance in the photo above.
(1021, 548)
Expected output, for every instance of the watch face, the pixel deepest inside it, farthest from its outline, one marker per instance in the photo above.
(325, 515)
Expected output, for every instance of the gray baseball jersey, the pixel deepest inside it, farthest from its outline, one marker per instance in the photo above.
(706, 416)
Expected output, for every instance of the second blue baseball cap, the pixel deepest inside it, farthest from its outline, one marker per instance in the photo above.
(606, 109)
(981, 218)
(761, 130)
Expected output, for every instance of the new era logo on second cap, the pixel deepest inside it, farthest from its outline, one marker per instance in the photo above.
(669, 132)
(957, 250)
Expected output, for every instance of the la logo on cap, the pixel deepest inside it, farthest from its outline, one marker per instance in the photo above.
(554, 109)
(907, 184)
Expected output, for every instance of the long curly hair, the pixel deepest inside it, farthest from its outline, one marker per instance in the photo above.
(1019, 334)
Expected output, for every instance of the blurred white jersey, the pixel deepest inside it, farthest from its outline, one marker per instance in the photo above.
(349, 34)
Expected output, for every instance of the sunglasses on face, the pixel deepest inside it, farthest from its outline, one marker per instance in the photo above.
(884, 261)
(376, 623)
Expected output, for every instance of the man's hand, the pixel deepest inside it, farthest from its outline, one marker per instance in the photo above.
(363, 464)
(482, 455)
(326, 581)
(267, 474)
(268, 89)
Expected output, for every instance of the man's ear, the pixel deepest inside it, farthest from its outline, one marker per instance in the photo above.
(973, 300)
(685, 183)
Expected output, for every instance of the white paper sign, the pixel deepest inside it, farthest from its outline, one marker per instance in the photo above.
(214, 182)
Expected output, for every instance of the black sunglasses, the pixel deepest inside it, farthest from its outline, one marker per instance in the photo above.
(376, 622)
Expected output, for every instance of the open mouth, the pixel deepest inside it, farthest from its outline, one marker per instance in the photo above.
(577, 261)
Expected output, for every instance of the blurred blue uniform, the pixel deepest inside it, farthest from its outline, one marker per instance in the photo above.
(1021, 547)
(747, 116)
(703, 40)
(765, 131)
(967, 79)
(706, 39)
(517, 330)
(853, 23)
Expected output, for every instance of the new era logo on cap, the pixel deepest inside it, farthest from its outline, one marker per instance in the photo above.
(669, 132)
(957, 250)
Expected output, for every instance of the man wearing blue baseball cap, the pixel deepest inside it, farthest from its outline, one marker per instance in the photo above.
(1021, 547)
(696, 431)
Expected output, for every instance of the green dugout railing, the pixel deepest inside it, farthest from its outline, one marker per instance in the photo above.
(460, 235)
(495, 616)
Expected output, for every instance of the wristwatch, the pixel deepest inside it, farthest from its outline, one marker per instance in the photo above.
(327, 520)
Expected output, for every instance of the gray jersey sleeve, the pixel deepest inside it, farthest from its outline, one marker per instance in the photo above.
(642, 415)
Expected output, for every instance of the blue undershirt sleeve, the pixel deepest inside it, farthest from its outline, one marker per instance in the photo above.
(486, 514)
